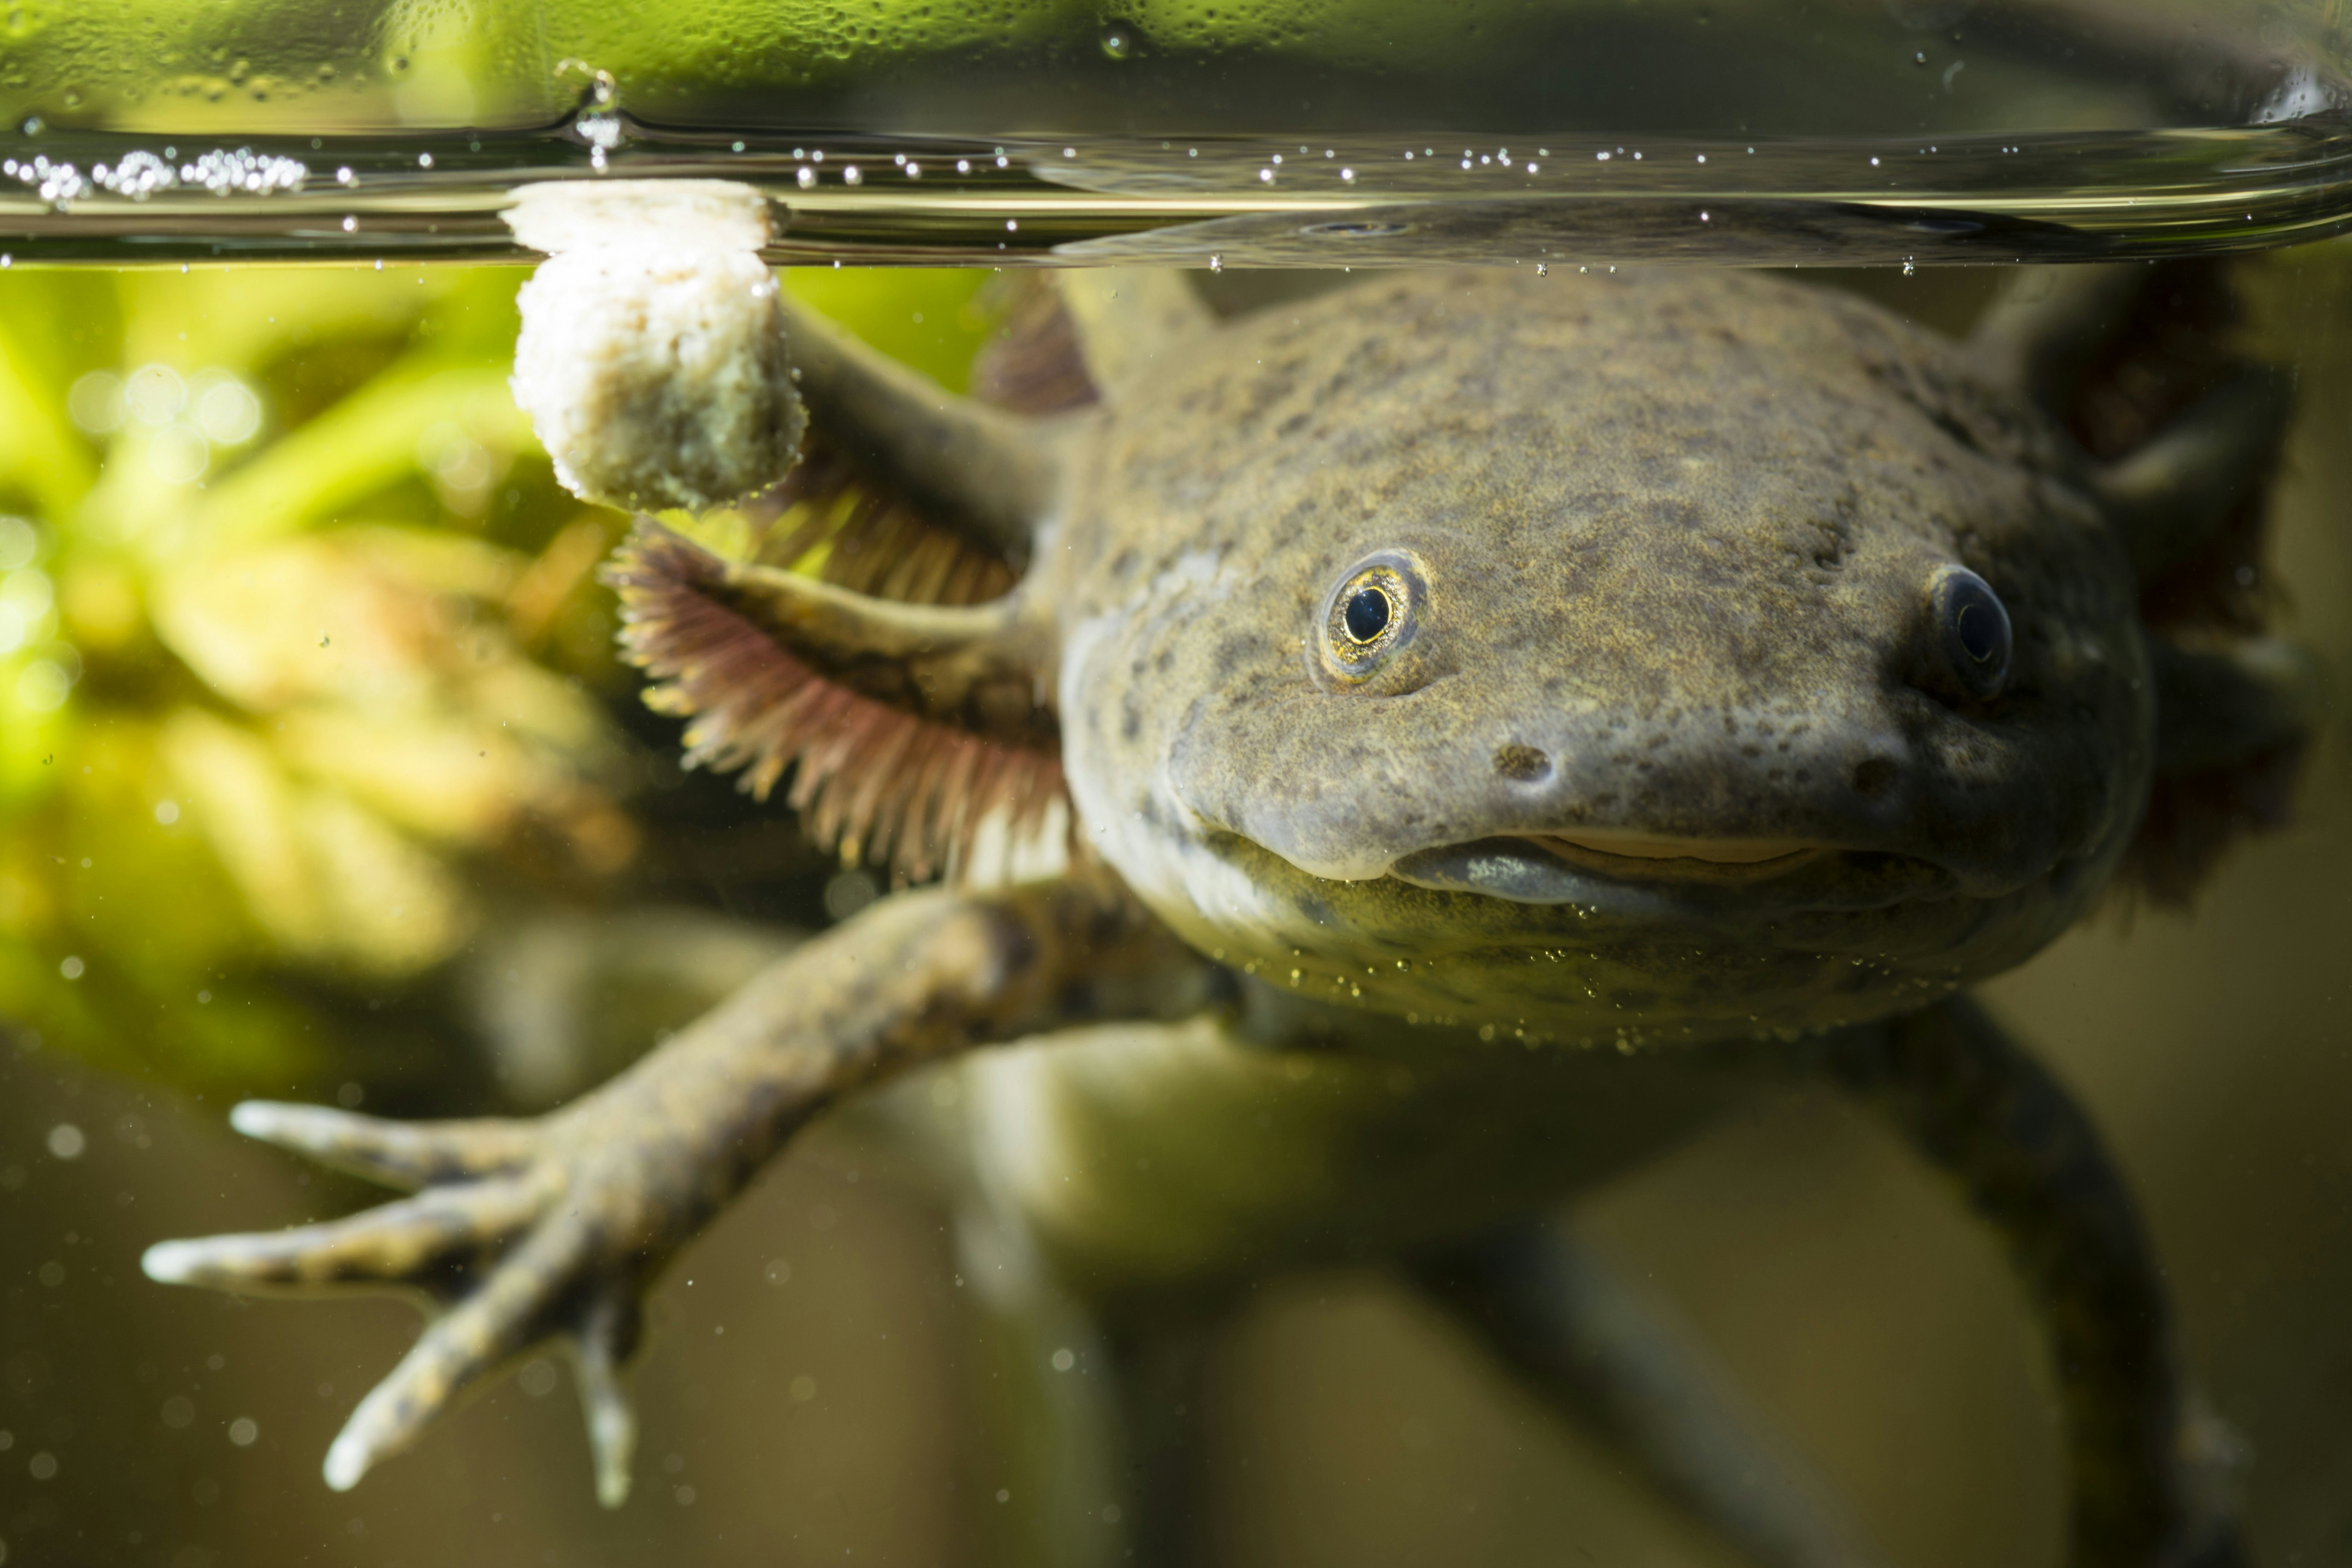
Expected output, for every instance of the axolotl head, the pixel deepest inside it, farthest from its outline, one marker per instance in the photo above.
(1659, 658)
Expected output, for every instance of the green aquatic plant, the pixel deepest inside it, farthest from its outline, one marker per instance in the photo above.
(300, 651)
(182, 458)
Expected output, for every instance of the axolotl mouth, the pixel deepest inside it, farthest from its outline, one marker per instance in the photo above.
(1607, 867)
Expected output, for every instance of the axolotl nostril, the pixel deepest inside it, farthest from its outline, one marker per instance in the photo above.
(1400, 758)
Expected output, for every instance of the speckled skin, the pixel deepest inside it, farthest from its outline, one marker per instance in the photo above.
(1670, 542)
(1676, 535)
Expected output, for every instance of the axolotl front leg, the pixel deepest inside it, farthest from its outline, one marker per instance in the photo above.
(552, 1229)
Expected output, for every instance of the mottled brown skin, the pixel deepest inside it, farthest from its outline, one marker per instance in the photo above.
(1677, 542)
(1665, 548)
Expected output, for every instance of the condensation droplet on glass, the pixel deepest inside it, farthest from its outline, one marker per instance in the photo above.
(19, 540)
(96, 403)
(154, 394)
(226, 410)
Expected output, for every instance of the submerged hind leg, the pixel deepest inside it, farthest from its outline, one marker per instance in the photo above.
(1094, 1450)
(2147, 1479)
(1559, 1316)
(2145, 1474)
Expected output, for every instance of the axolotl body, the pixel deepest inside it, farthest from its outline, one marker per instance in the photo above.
(1441, 743)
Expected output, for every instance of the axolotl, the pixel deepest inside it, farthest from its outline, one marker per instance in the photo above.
(1397, 760)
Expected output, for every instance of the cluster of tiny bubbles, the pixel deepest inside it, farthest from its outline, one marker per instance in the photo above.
(182, 419)
(139, 174)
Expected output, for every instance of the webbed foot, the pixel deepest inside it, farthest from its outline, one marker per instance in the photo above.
(548, 1230)
(523, 1232)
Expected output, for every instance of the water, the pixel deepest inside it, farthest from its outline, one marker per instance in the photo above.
(205, 836)
(319, 779)
(1569, 135)
(1391, 201)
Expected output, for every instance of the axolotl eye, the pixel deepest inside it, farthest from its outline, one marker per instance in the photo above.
(1970, 627)
(1372, 614)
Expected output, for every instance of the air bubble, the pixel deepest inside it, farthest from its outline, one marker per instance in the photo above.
(1117, 42)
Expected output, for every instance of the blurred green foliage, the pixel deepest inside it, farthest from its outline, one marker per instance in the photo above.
(304, 672)
(182, 64)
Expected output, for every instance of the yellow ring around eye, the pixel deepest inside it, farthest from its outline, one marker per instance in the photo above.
(1366, 617)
